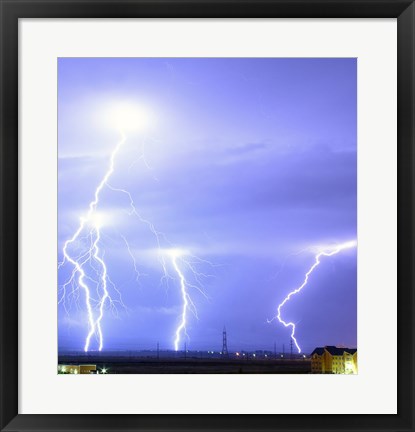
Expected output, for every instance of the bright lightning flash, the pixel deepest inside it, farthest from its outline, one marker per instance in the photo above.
(89, 268)
(125, 117)
(326, 251)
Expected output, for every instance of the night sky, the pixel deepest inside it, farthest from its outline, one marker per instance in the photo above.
(248, 164)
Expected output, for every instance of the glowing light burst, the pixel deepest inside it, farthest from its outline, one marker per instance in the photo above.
(128, 117)
(323, 252)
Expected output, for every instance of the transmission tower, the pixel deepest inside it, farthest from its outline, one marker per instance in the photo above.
(225, 352)
(291, 348)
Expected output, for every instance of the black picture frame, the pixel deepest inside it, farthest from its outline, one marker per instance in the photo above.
(11, 11)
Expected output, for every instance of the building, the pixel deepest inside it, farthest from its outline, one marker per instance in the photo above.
(334, 360)
(77, 369)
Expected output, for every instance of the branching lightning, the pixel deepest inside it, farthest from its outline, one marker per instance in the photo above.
(90, 271)
(328, 251)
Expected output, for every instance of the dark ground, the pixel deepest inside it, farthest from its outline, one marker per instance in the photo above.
(146, 365)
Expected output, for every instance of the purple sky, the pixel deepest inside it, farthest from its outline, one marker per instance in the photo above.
(243, 163)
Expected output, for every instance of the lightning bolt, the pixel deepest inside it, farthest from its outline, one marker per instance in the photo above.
(93, 253)
(327, 252)
(181, 259)
(185, 299)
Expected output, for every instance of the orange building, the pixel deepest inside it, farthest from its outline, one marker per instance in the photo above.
(77, 369)
(334, 360)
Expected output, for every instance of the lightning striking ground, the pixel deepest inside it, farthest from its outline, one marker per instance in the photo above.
(186, 261)
(328, 251)
(185, 299)
(94, 257)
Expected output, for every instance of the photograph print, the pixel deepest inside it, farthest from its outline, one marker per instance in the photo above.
(207, 216)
